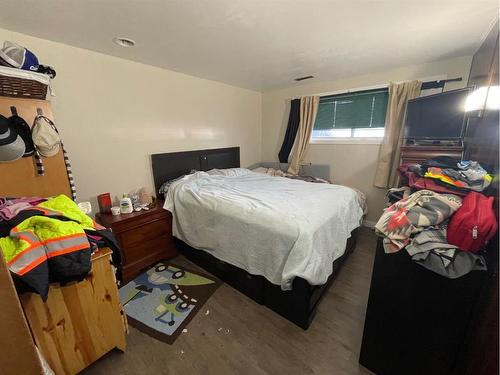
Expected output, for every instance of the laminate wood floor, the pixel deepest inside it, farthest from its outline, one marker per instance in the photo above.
(239, 336)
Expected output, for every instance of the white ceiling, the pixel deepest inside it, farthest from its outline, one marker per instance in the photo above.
(262, 44)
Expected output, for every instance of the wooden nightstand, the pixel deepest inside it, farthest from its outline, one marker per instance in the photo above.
(145, 237)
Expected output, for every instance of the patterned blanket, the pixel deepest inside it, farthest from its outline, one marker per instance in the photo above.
(411, 215)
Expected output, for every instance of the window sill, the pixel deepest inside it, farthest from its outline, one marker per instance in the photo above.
(346, 141)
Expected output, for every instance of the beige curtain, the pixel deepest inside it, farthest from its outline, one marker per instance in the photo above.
(308, 110)
(389, 152)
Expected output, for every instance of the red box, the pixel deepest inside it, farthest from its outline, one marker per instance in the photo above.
(104, 201)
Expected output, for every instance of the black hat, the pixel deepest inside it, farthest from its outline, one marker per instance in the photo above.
(22, 128)
(11, 144)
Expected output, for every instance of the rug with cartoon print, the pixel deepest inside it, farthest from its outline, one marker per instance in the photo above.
(161, 301)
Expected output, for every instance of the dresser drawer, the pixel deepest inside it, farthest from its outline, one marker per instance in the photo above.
(144, 233)
(154, 245)
(138, 219)
(145, 238)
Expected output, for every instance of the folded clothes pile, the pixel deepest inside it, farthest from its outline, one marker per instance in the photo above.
(445, 175)
(11, 207)
(473, 178)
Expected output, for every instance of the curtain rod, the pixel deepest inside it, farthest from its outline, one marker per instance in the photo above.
(431, 84)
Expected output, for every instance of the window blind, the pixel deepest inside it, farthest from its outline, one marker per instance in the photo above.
(362, 109)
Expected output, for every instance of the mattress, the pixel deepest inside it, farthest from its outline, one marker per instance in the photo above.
(275, 227)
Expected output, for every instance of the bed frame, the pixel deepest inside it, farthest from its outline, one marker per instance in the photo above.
(298, 305)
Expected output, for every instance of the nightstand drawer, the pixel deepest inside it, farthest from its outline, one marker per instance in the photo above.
(154, 245)
(145, 237)
(144, 233)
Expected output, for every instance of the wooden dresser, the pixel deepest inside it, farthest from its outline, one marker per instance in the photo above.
(417, 154)
(145, 237)
(81, 321)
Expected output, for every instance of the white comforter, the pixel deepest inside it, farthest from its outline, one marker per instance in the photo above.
(271, 226)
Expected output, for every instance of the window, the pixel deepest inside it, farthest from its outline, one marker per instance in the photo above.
(358, 114)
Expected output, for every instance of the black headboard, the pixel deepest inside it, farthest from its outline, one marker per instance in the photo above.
(174, 164)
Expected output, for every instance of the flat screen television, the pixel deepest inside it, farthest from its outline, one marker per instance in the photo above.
(436, 117)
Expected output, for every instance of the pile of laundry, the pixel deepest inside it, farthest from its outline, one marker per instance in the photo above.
(444, 233)
(279, 173)
(11, 207)
(49, 240)
(446, 175)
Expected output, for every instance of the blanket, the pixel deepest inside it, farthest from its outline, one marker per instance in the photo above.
(411, 215)
(276, 227)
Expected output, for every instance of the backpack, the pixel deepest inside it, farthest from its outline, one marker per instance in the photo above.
(474, 224)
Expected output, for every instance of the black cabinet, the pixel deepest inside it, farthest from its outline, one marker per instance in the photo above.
(416, 320)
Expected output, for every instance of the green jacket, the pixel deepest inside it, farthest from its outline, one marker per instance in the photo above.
(51, 237)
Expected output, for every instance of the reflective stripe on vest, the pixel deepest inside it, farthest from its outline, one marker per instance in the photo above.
(37, 252)
(67, 244)
(27, 236)
(27, 260)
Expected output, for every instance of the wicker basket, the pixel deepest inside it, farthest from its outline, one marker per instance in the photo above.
(22, 88)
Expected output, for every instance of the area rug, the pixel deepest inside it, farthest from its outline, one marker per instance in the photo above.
(161, 301)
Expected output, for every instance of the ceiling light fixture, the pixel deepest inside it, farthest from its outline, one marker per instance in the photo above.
(124, 42)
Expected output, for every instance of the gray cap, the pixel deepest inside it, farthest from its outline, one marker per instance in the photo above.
(11, 144)
(12, 55)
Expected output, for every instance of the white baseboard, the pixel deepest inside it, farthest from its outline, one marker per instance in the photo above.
(369, 224)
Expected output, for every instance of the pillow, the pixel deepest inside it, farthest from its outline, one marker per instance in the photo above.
(229, 172)
(270, 171)
(164, 187)
(260, 170)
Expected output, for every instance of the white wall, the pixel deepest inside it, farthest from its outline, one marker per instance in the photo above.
(113, 113)
(351, 164)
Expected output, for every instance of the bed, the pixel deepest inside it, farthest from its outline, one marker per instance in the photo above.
(225, 223)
